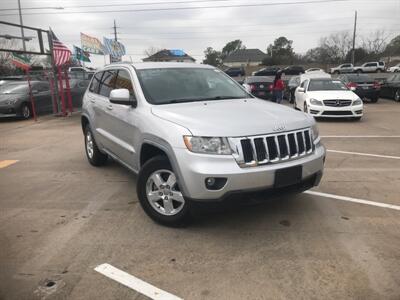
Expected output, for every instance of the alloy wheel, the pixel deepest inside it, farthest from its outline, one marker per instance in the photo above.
(89, 144)
(163, 193)
(397, 96)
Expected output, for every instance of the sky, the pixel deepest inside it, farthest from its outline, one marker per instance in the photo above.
(179, 24)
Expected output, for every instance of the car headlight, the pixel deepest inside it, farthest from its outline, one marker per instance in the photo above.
(11, 102)
(314, 132)
(357, 102)
(207, 145)
(315, 102)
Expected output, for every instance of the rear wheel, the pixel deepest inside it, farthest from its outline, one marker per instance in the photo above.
(159, 193)
(378, 71)
(397, 95)
(359, 71)
(336, 72)
(94, 156)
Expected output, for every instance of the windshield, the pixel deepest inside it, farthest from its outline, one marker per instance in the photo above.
(11, 88)
(174, 85)
(326, 85)
(359, 78)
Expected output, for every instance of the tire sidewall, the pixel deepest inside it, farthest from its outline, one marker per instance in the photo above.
(25, 107)
(398, 95)
(154, 164)
(98, 158)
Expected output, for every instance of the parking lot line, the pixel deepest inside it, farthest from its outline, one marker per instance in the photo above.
(355, 200)
(134, 283)
(364, 154)
(361, 136)
(6, 163)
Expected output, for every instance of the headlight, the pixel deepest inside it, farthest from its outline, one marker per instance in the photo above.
(11, 102)
(207, 145)
(314, 132)
(357, 102)
(315, 102)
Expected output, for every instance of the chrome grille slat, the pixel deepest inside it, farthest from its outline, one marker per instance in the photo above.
(273, 148)
(337, 102)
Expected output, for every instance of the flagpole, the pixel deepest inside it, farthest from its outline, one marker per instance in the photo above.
(53, 67)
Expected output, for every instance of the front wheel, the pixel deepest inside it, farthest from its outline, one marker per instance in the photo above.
(159, 193)
(359, 71)
(25, 111)
(397, 96)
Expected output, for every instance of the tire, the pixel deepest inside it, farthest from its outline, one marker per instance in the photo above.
(336, 72)
(378, 71)
(397, 95)
(359, 71)
(93, 154)
(168, 206)
(374, 100)
(25, 111)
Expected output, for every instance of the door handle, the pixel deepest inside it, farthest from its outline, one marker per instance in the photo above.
(109, 107)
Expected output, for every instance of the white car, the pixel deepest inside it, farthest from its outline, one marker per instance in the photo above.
(325, 97)
(312, 70)
(395, 68)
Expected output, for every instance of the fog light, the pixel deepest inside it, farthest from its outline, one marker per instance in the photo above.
(359, 112)
(214, 183)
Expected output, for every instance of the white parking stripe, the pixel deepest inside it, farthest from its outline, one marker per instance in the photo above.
(134, 283)
(361, 136)
(364, 154)
(350, 199)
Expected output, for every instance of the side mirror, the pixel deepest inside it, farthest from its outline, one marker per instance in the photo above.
(121, 96)
(300, 90)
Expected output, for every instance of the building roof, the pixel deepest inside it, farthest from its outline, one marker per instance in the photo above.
(245, 55)
(166, 54)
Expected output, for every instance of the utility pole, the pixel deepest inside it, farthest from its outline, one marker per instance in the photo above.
(115, 31)
(354, 38)
(22, 24)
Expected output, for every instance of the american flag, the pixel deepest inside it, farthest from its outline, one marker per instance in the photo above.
(61, 52)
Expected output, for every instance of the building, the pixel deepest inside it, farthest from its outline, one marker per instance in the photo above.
(244, 57)
(170, 56)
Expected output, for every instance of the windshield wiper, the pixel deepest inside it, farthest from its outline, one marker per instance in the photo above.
(221, 98)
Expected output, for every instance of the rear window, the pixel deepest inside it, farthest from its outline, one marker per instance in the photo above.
(359, 78)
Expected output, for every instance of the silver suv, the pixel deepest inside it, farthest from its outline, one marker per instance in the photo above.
(194, 134)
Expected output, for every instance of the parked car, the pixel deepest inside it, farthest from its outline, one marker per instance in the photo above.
(361, 84)
(194, 134)
(235, 72)
(370, 67)
(293, 70)
(259, 86)
(391, 88)
(268, 71)
(311, 70)
(343, 68)
(325, 97)
(15, 99)
(290, 88)
(395, 68)
(78, 88)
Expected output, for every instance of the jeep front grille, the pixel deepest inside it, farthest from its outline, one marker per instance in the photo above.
(260, 150)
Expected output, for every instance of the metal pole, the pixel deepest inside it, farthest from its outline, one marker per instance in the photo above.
(22, 25)
(354, 38)
(115, 36)
(54, 71)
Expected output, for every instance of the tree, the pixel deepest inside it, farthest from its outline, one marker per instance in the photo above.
(232, 47)
(393, 47)
(360, 55)
(335, 47)
(212, 57)
(280, 52)
(151, 51)
(375, 43)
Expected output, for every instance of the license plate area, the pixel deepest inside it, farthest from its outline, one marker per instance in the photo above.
(288, 176)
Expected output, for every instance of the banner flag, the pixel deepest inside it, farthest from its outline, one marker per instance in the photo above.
(81, 55)
(113, 48)
(91, 44)
(21, 61)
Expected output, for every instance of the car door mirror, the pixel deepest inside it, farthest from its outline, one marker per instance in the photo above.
(300, 90)
(121, 96)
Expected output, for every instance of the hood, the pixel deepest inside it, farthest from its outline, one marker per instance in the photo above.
(230, 118)
(324, 95)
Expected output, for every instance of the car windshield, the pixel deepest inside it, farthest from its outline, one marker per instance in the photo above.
(175, 85)
(326, 85)
(14, 88)
(359, 78)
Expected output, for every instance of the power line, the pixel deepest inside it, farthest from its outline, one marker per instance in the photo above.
(184, 8)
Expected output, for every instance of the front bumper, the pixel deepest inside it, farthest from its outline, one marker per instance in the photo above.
(8, 111)
(195, 168)
(352, 111)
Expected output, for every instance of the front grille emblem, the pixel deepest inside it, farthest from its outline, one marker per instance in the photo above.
(279, 127)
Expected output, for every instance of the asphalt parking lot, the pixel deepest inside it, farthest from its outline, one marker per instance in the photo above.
(60, 218)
